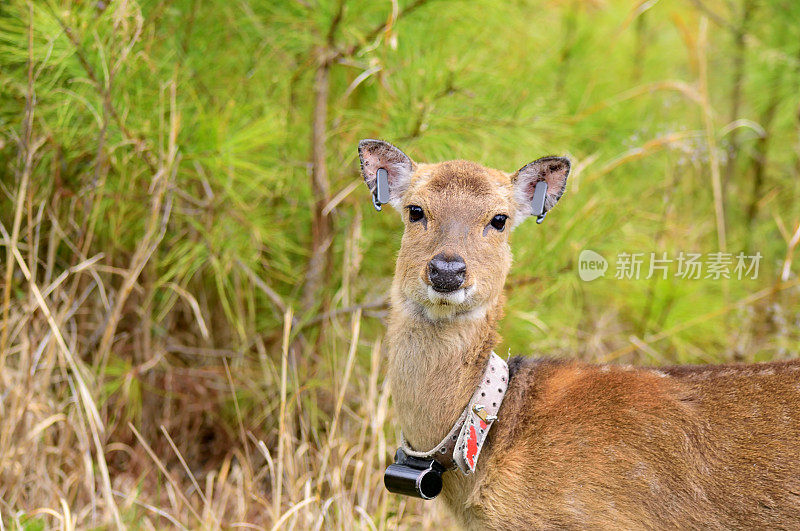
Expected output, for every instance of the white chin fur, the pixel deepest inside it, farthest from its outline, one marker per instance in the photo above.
(453, 305)
(452, 298)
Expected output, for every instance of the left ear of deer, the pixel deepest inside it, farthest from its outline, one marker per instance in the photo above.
(553, 170)
(375, 154)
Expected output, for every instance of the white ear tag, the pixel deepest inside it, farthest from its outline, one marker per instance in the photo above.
(381, 195)
(537, 205)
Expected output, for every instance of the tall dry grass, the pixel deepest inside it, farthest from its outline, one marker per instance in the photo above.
(63, 431)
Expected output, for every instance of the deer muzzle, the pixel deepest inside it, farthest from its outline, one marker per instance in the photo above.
(446, 273)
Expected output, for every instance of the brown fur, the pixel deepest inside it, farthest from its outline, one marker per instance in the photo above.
(576, 445)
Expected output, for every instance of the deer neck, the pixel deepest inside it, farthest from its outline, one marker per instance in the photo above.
(434, 367)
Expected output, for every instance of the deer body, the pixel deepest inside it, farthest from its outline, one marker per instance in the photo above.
(576, 445)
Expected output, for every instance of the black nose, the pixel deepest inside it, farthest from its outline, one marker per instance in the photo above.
(446, 273)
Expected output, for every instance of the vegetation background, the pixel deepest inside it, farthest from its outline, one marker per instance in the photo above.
(194, 279)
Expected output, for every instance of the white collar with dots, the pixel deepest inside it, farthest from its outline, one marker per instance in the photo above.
(462, 445)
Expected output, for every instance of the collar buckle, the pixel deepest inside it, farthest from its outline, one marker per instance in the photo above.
(480, 410)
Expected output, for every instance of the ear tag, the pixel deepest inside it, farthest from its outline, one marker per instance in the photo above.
(537, 205)
(381, 195)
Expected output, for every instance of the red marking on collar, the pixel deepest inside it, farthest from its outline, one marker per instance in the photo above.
(483, 425)
(472, 446)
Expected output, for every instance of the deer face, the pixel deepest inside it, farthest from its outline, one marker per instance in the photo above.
(455, 255)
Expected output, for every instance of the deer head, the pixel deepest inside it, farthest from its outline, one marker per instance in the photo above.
(455, 254)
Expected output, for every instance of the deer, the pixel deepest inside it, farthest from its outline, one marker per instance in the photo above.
(572, 444)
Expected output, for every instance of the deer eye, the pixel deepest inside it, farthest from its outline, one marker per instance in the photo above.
(415, 213)
(499, 222)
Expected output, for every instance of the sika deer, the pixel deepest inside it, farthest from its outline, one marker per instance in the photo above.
(575, 445)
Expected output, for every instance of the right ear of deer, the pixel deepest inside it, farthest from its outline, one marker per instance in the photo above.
(386, 170)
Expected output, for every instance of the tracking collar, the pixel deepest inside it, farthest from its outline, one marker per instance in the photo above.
(462, 445)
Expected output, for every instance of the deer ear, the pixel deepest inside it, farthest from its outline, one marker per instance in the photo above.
(377, 154)
(552, 170)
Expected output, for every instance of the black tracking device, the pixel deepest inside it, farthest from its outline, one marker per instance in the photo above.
(412, 476)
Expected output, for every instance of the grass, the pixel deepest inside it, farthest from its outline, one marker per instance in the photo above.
(164, 361)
